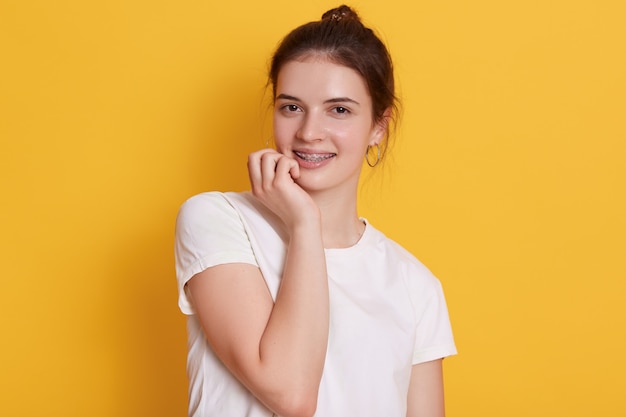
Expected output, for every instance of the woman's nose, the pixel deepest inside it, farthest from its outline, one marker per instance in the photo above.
(311, 129)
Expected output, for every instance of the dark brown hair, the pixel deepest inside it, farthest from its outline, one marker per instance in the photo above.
(341, 37)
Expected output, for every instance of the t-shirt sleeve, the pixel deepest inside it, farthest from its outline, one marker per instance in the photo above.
(434, 339)
(209, 232)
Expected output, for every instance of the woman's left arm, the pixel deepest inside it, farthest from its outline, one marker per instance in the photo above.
(425, 397)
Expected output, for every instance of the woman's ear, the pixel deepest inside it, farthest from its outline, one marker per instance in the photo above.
(381, 128)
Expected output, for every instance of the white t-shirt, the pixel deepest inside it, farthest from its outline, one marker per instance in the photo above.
(387, 311)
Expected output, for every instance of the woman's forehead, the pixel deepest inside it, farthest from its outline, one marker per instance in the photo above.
(317, 78)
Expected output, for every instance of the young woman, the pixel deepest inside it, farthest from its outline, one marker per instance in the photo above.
(296, 306)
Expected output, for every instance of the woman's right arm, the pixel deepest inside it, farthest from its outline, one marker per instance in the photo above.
(276, 349)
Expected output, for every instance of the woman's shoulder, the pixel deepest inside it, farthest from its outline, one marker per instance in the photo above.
(212, 202)
(212, 198)
(228, 208)
(402, 259)
(207, 210)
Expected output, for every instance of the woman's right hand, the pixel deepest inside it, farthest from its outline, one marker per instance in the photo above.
(275, 347)
(272, 178)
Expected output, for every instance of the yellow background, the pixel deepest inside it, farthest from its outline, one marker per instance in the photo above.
(507, 180)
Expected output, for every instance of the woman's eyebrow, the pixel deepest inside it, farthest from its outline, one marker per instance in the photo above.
(287, 97)
(342, 100)
(283, 96)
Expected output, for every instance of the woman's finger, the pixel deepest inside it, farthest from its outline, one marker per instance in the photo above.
(285, 169)
(269, 161)
(254, 168)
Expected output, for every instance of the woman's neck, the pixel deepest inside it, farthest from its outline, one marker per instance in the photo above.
(341, 226)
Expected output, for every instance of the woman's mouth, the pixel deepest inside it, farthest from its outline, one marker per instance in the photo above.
(314, 157)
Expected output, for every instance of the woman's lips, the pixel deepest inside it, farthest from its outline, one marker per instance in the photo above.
(313, 157)
(311, 160)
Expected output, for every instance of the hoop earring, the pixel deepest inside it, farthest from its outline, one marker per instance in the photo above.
(367, 156)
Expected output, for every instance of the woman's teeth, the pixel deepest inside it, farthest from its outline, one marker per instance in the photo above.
(314, 157)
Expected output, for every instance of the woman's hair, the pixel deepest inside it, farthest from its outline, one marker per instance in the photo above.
(341, 38)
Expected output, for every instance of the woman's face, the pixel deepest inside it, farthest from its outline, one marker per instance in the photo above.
(323, 120)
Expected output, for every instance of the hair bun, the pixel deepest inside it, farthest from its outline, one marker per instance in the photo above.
(342, 12)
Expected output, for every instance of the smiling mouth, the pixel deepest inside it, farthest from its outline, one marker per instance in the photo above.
(314, 157)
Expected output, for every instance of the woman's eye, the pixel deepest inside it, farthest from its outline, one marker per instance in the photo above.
(341, 110)
(291, 108)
